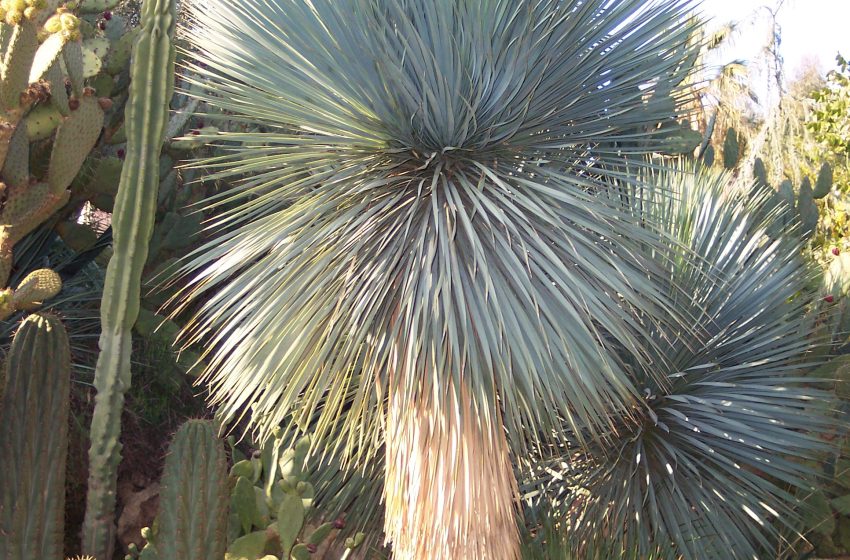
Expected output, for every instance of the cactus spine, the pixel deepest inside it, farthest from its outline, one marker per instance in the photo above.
(193, 502)
(132, 222)
(34, 441)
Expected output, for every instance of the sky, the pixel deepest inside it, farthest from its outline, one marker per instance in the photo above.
(810, 28)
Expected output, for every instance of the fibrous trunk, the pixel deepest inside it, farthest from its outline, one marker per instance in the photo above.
(450, 489)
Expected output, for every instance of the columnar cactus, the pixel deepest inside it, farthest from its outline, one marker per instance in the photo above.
(132, 223)
(193, 503)
(34, 441)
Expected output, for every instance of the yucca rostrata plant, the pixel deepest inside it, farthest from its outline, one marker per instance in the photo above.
(715, 468)
(34, 441)
(151, 87)
(417, 257)
(32, 76)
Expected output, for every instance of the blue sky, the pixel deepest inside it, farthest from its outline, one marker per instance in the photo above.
(810, 28)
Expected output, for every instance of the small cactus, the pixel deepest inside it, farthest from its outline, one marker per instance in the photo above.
(192, 520)
(270, 503)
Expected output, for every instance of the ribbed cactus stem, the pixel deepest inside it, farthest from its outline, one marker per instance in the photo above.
(193, 502)
(152, 75)
(34, 441)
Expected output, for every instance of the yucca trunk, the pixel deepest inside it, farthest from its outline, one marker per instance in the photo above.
(450, 489)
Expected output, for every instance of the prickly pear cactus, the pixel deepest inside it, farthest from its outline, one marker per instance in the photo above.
(708, 156)
(824, 181)
(270, 505)
(34, 441)
(39, 50)
(193, 502)
(37, 286)
(731, 149)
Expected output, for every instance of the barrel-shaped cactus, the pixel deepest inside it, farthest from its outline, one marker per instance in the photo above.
(34, 441)
(193, 502)
(132, 224)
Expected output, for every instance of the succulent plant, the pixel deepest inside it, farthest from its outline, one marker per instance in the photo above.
(271, 502)
(731, 149)
(34, 441)
(708, 156)
(193, 502)
(824, 181)
(132, 222)
(36, 287)
(35, 106)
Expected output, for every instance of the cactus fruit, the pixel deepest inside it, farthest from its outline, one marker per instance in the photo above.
(731, 149)
(34, 441)
(132, 222)
(824, 182)
(192, 520)
(355, 541)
